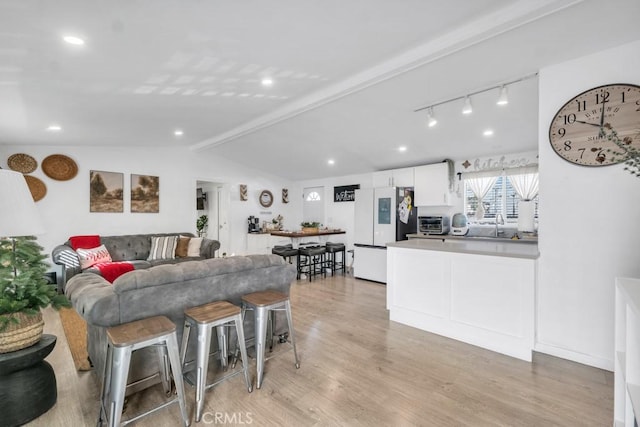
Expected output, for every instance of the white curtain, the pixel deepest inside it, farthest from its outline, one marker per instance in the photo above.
(480, 184)
(524, 181)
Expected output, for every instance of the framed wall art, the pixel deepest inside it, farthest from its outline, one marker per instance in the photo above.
(106, 191)
(145, 194)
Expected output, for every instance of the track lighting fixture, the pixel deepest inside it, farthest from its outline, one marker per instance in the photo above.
(466, 108)
(503, 99)
(431, 119)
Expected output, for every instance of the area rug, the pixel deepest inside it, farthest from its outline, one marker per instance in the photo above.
(75, 329)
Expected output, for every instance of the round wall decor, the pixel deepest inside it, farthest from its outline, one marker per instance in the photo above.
(36, 186)
(21, 162)
(266, 198)
(59, 167)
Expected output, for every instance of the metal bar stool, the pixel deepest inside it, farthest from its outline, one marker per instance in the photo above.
(265, 304)
(311, 261)
(219, 315)
(122, 340)
(333, 249)
(286, 251)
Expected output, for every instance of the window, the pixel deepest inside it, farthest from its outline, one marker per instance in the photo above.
(313, 197)
(501, 198)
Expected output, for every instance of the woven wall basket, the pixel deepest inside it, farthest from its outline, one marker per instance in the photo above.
(23, 334)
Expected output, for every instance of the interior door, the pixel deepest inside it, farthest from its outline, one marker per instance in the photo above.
(223, 193)
(313, 204)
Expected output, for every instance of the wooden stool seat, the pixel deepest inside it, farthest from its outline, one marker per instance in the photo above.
(264, 298)
(140, 330)
(213, 311)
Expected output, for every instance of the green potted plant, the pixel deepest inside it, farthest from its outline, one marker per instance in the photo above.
(201, 225)
(24, 291)
(310, 226)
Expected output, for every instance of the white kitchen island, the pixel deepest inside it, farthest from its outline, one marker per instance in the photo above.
(479, 292)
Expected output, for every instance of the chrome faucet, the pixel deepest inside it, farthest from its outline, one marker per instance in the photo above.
(499, 220)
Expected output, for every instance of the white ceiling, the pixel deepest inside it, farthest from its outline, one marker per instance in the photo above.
(348, 75)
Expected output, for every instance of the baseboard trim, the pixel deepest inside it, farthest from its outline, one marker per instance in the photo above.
(585, 359)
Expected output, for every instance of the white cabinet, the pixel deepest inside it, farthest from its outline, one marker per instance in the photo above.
(484, 300)
(394, 178)
(363, 214)
(370, 263)
(262, 243)
(626, 404)
(432, 185)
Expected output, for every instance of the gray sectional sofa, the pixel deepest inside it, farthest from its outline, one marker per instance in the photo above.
(133, 247)
(168, 290)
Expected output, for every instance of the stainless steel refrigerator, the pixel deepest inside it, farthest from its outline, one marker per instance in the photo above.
(382, 215)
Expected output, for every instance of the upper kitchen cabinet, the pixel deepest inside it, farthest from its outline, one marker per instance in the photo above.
(394, 178)
(432, 185)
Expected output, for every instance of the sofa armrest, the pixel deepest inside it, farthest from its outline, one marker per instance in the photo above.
(209, 247)
(66, 257)
(94, 299)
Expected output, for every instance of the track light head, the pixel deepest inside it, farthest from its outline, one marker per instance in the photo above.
(466, 108)
(431, 119)
(503, 99)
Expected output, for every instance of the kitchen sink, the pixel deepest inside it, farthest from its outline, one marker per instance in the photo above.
(488, 232)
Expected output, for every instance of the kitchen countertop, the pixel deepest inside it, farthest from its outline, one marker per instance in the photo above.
(489, 246)
(524, 239)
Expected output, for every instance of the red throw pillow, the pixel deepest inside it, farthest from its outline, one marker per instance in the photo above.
(84, 242)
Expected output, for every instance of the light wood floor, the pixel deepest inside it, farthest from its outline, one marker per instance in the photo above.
(360, 369)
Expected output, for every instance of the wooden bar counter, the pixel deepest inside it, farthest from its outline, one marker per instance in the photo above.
(301, 234)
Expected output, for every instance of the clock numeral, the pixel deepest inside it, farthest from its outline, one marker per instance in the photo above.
(569, 119)
(567, 145)
(582, 150)
(638, 103)
(582, 105)
(604, 97)
(562, 132)
(622, 97)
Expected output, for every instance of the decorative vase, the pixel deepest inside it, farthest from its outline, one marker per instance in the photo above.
(23, 334)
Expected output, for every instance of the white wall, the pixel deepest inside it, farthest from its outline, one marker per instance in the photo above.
(337, 215)
(589, 226)
(65, 209)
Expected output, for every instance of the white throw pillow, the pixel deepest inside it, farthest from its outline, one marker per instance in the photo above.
(89, 257)
(163, 247)
(194, 246)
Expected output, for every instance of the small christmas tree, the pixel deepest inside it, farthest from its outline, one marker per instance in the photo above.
(23, 287)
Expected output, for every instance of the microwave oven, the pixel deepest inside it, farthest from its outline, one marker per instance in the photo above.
(434, 224)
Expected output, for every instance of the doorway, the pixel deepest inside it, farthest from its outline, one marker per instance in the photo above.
(214, 203)
(313, 204)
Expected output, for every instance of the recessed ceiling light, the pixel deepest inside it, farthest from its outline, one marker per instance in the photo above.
(178, 132)
(54, 128)
(331, 162)
(267, 81)
(73, 40)
(402, 148)
(488, 132)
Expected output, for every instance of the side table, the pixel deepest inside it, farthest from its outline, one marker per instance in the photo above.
(28, 386)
